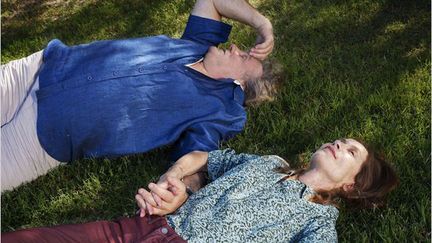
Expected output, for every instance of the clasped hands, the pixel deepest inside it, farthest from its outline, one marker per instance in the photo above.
(163, 198)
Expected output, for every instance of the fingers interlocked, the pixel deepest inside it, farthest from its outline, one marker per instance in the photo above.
(158, 200)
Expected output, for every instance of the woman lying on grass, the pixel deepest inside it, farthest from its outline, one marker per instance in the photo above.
(249, 198)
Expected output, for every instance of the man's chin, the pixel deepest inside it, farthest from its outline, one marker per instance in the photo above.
(211, 52)
(213, 49)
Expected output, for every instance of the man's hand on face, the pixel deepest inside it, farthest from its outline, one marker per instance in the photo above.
(264, 43)
(170, 199)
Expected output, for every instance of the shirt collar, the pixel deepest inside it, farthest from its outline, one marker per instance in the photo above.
(201, 59)
(191, 64)
(305, 191)
(238, 83)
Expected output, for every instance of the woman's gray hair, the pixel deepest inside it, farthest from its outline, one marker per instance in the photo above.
(261, 89)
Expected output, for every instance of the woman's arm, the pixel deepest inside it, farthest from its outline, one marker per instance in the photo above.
(188, 164)
(165, 197)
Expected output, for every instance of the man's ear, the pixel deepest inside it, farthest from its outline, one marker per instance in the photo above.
(348, 187)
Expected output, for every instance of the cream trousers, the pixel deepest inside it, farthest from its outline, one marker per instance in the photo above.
(22, 156)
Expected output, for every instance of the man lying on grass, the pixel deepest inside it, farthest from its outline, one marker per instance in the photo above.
(249, 198)
(120, 97)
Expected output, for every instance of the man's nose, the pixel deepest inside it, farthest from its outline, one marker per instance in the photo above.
(234, 49)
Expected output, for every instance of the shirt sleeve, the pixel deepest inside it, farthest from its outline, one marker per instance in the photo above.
(319, 230)
(206, 31)
(221, 161)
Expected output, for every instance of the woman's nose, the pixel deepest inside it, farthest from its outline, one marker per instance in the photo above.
(337, 144)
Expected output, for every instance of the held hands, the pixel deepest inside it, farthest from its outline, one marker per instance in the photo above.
(265, 41)
(164, 198)
(170, 192)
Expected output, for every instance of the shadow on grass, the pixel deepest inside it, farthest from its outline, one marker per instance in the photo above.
(94, 21)
(86, 190)
(349, 68)
(336, 69)
(365, 55)
(71, 193)
(349, 72)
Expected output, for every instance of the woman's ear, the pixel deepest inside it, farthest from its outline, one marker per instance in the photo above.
(349, 187)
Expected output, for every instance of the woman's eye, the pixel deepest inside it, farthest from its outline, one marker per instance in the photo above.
(352, 153)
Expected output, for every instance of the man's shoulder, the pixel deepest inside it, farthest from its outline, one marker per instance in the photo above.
(206, 31)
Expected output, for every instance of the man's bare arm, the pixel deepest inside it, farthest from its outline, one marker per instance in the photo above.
(243, 12)
(239, 10)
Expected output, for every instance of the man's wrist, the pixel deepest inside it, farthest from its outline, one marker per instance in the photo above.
(265, 24)
(260, 21)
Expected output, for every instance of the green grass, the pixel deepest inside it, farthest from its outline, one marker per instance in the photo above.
(351, 68)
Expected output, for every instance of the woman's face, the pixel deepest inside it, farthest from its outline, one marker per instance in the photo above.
(340, 161)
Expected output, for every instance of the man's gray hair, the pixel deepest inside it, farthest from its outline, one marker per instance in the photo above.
(264, 88)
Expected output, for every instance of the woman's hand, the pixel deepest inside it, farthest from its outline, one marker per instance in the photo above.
(171, 198)
(188, 164)
(174, 172)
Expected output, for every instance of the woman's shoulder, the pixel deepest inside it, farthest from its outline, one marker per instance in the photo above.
(325, 211)
(270, 161)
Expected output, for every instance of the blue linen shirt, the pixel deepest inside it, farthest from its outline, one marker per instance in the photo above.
(118, 97)
(246, 202)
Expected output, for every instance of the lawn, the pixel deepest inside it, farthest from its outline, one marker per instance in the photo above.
(356, 68)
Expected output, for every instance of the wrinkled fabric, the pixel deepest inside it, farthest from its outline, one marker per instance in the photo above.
(246, 201)
(125, 230)
(22, 156)
(118, 97)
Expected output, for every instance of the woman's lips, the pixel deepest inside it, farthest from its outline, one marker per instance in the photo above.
(332, 151)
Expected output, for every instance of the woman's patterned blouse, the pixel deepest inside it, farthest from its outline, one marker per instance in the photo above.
(245, 202)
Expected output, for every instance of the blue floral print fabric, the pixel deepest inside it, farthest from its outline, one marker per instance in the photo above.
(247, 202)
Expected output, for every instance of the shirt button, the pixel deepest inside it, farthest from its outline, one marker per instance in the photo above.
(165, 67)
(140, 70)
(164, 230)
(115, 73)
(89, 78)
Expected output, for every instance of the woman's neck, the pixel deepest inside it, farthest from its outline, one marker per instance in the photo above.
(315, 180)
